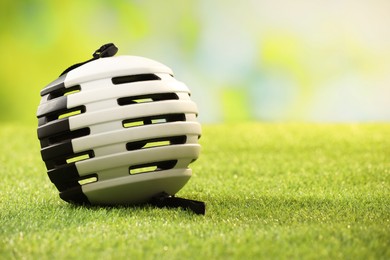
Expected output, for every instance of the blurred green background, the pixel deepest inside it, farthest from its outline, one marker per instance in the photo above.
(281, 60)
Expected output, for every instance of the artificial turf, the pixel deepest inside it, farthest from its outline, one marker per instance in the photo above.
(274, 191)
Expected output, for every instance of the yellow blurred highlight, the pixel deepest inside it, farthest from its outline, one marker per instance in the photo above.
(287, 54)
(235, 105)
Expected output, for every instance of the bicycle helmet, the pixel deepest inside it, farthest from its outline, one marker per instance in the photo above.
(118, 131)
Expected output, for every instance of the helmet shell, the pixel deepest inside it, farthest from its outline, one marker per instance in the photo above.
(118, 130)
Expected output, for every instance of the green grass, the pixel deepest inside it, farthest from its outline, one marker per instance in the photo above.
(276, 191)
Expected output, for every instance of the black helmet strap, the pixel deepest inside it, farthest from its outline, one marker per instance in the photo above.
(107, 50)
(164, 200)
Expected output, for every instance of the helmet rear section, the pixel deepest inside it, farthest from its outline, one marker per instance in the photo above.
(118, 130)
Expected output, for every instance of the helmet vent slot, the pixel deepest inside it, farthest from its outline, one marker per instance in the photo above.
(88, 179)
(146, 98)
(69, 135)
(157, 142)
(80, 157)
(72, 112)
(64, 92)
(71, 158)
(134, 78)
(152, 167)
(128, 123)
(65, 113)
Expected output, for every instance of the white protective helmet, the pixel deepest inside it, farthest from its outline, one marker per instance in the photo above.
(117, 131)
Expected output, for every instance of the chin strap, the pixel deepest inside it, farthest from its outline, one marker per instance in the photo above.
(164, 200)
(107, 50)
